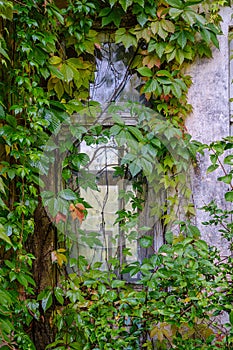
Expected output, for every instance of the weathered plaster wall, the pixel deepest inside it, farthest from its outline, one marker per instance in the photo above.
(210, 120)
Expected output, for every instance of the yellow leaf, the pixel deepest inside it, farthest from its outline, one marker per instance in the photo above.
(61, 250)
(178, 239)
(55, 60)
(186, 300)
(168, 332)
(50, 84)
(153, 332)
(204, 330)
(58, 87)
(61, 258)
(186, 331)
(58, 257)
(160, 335)
(157, 332)
(8, 149)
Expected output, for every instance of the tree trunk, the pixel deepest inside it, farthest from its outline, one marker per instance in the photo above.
(41, 244)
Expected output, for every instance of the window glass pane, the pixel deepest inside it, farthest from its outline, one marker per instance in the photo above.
(105, 203)
(113, 81)
(101, 156)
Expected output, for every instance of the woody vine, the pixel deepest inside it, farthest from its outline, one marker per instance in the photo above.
(48, 53)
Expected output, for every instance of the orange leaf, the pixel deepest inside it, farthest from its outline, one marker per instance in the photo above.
(151, 60)
(161, 12)
(77, 212)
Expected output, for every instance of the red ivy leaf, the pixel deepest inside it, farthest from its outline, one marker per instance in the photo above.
(77, 211)
(59, 217)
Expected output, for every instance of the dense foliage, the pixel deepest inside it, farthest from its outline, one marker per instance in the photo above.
(48, 53)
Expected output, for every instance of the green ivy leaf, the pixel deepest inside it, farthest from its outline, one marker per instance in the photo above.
(3, 235)
(125, 37)
(193, 231)
(2, 204)
(168, 26)
(205, 33)
(160, 48)
(21, 279)
(155, 27)
(179, 56)
(47, 301)
(67, 72)
(112, 2)
(56, 72)
(86, 180)
(114, 15)
(176, 90)
(146, 241)
(175, 12)
(53, 206)
(202, 245)
(227, 178)
(189, 16)
(145, 72)
(6, 326)
(4, 53)
(212, 168)
(161, 32)
(101, 289)
(142, 19)
(75, 63)
(169, 237)
(6, 10)
(164, 73)
(182, 39)
(152, 86)
(136, 133)
(125, 4)
(147, 166)
(176, 3)
(2, 186)
(231, 317)
(112, 295)
(118, 120)
(229, 196)
(135, 167)
(67, 194)
(59, 295)
(117, 284)
(228, 160)
(214, 39)
(56, 13)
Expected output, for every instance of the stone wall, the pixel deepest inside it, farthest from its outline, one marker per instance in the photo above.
(210, 120)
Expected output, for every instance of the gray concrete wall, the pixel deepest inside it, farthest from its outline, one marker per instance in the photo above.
(209, 121)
